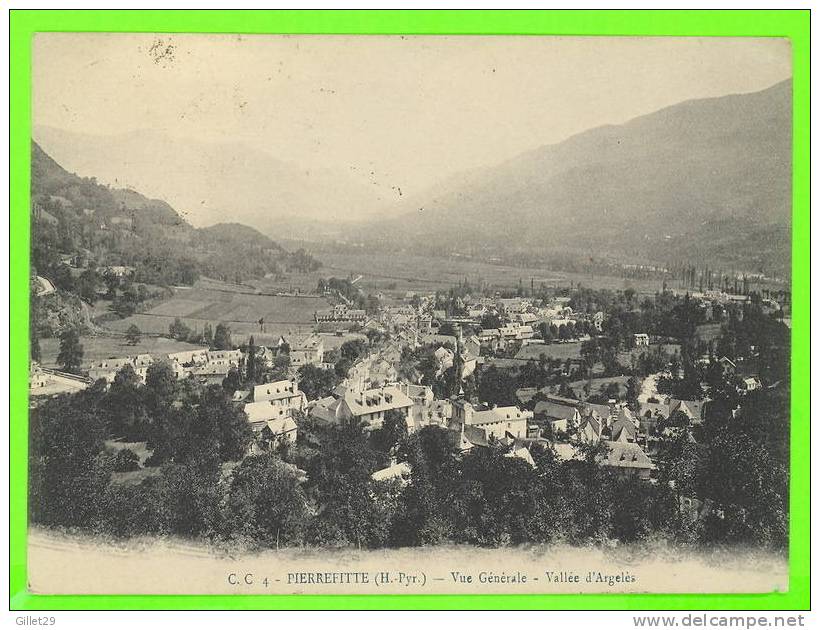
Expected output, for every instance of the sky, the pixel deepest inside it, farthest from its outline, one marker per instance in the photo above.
(414, 109)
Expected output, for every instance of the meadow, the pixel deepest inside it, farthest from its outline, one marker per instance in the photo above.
(237, 306)
(562, 351)
(399, 272)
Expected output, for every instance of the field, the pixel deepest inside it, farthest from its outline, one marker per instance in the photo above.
(562, 351)
(400, 272)
(625, 358)
(236, 305)
(105, 347)
(599, 385)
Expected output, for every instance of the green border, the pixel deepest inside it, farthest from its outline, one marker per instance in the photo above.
(793, 24)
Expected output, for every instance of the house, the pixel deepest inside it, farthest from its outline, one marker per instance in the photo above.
(358, 376)
(525, 318)
(426, 408)
(468, 437)
(231, 358)
(278, 432)
(523, 454)
(560, 417)
(43, 382)
(382, 371)
(650, 415)
(692, 409)
(511, 306)
(400, 471)
(308, 350)
(108, 368)
(370, 406)
(422, 397)
(640, 339)
(340, 313)
(628, 459)
(189, 358)
(439, 412)
(274, 401)
(623, 430)
(748, 384)
(497, 422)
(590, 427)
(325, 410)
(285, 390)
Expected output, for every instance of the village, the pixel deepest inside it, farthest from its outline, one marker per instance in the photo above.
(423, 360)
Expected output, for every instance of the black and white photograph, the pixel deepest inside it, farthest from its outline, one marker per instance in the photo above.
(342, 314)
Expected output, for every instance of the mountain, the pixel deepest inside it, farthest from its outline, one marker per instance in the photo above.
(208, 182)
(76, 216)
(705, 180)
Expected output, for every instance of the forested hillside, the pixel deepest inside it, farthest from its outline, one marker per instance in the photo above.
(97, 226)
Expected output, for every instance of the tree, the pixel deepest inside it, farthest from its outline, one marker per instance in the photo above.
(751, 489)
(232, 381)
(179, 330)
(132, 335)
(222, 338)
(353, 349)
(633, 390)
(71, 351)
(266, 503)
(68, 471)
(126, 303)
(125, 404)
(250, 362)
(545, 332)
(490, 320)
(232, 430)
(63, 278)
(316, 382)
(194, 492)
(86, 286)
(497, 386)
(34, 345)
(161, 383)
(392, 432)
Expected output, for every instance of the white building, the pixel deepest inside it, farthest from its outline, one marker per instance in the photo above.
(274, 401)
(371, 405)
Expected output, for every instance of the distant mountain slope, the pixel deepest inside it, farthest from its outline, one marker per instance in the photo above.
(73, 214)
(705, 180)
(209, 182)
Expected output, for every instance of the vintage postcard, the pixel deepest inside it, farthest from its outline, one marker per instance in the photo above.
(409, 314)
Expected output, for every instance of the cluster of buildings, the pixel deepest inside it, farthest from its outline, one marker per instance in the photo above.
(208, 365)
(373, 388)
(573, 422)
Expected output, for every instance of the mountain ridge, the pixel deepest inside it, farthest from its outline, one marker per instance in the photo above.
(648, 189)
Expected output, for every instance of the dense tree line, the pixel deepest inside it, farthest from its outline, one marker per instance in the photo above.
(320, 492)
